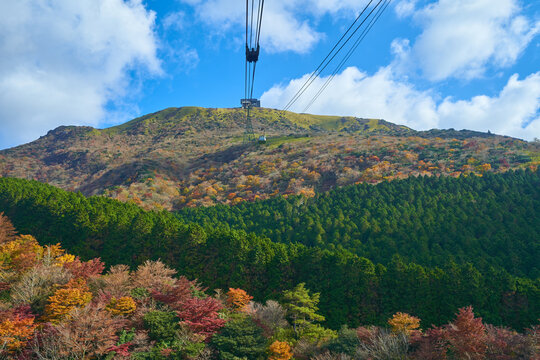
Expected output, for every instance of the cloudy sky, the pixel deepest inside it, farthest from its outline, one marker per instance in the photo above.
(471, 64)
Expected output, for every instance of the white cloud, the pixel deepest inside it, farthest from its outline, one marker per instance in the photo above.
(462, 38)
(514, 112)
(62, 62)
(355, 93)
(288, 25)
(322, 7)
(405, 8)
(174, 21)
(181, 57)
(283, 32)
(282, 29)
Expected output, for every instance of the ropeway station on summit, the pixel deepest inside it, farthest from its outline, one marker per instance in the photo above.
(250, 103)
(348, 43)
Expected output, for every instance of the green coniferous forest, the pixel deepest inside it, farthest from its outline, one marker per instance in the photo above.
(443, 244)
(492, 220)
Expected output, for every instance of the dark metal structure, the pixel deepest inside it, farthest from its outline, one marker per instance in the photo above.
(250, 103)
(252, 55)
(253, 34)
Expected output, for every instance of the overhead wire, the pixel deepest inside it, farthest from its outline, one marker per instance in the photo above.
(253, 41)
(326, 61)
(353, 48)
(259, 21)
(246, 70)
(253, 34)
(251, 27)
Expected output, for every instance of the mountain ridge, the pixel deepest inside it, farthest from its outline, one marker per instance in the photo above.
(302, 120)
(193, 156)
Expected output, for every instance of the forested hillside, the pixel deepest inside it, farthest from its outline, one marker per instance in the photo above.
(492, 220)
(186, 157)
(53, 305)
(354, 289)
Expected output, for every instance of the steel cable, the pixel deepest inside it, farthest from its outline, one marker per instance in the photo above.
(319, 70)
(350, 52)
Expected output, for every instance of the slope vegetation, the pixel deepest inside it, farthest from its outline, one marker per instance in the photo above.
(489, 220)
(55, 306)
(353, 289)
(185, 157)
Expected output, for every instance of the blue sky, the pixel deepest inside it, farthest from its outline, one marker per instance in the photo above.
(426, 64)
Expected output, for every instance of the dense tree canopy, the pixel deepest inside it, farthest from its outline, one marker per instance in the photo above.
(353, 289)
(492, 220)
(153, 314)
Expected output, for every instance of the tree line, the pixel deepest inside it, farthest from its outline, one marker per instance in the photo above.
(354, 290)
(493, 220)
(53, 305)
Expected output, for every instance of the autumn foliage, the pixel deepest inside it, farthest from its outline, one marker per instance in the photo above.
(201, 316)
(149, 313)
(16, 328)
(89, 334)
(20, 253)
(238, 299)
(85, 269)
(7, 230)
(72, 295)
(122, 306)
(404, 323)
(280, 350)
(177, 294)
(467, 335)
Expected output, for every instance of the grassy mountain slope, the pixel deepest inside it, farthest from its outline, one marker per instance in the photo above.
(193, 156)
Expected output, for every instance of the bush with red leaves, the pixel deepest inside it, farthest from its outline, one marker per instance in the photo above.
(86, 269)
(201, 316)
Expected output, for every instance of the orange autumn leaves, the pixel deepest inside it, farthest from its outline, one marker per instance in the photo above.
(302, 168)
(280, 350)
(26, 268)
(404, 323)
(16, 328)
(74, 294)
(20, 253)
(238, 299)
(122, 306)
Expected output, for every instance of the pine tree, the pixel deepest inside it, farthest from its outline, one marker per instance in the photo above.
(302, 308)
(239, 339)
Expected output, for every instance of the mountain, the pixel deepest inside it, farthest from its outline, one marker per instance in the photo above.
(457, 228)
(185, 157)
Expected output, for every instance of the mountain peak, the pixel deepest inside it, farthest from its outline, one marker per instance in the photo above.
(193, 156)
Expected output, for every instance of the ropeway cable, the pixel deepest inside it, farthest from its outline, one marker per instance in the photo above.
(350, 52)
(326, 61)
